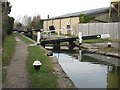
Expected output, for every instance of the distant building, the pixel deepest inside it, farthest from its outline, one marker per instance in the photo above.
(4, 0)
(68, 21)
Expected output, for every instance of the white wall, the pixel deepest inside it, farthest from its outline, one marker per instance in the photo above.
(99, 28)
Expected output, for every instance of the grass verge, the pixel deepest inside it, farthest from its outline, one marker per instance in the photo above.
(23, 38)
(95, 41)
(9, 45)
(92, 41)
(109, 49)
(43, 78)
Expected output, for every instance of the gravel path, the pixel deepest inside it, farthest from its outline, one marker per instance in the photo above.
(16, 71)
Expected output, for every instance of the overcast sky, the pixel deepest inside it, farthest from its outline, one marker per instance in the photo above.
(53, 7)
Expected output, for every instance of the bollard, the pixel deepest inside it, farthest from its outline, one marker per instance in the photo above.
(50, 53)
(80, 38)
(109, 44)
(37, 64)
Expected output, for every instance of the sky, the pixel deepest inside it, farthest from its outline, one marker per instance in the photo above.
(53, 7)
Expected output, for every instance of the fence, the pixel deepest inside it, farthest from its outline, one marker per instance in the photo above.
(99, 28)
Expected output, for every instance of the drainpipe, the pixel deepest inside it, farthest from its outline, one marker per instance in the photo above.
(47, 21)
(70, 22)
(60, 23)
(52, 22)
(70, 26)
(46, 24)
(118, 8)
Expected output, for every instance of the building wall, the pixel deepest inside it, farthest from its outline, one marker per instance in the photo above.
(56, 24)
(62, 23)
(118, 31)
(74, 21)
(45, 26)
(50, 23)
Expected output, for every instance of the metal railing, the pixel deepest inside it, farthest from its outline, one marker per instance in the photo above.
(58, 31)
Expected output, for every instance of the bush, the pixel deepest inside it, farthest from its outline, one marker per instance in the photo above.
(85, 19)
(7, 21)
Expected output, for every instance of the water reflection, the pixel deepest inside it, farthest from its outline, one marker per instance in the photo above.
(89, 70)
(113, 76)
(83, 74)
(80, 55)
(108, 60)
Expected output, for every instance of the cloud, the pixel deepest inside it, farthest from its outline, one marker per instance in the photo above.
(53, 7)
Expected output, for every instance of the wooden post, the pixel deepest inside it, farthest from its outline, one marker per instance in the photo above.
(80, 38)
(43, 45)
(71, 45)
(56, 46)
(109, 19)
(31, 34)
(38, 38)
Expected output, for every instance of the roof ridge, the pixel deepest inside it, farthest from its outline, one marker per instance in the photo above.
(87, 12)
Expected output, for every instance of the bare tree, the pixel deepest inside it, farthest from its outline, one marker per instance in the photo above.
(38, 18)
(36, 22)
(34, 19)
(18, 19)
(29, 21)
(25, 20)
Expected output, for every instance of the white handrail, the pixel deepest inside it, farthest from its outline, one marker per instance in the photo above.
(48, 32)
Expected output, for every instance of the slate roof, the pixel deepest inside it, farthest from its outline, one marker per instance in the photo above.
(88, 13)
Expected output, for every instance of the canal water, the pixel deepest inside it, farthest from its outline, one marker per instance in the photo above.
(88, 70)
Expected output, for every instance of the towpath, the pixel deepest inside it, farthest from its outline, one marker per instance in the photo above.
(16, 71)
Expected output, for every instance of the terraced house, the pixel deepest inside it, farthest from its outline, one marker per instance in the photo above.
(66, 23)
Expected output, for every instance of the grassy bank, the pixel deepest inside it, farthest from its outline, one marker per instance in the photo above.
(44, 78)
(92, 41)
(9, 45)
(23, 38)
(95, 41)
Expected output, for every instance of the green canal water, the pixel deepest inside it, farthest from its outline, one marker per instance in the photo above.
(88, 70)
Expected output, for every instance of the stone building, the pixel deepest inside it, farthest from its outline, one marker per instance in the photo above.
(66, 23)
